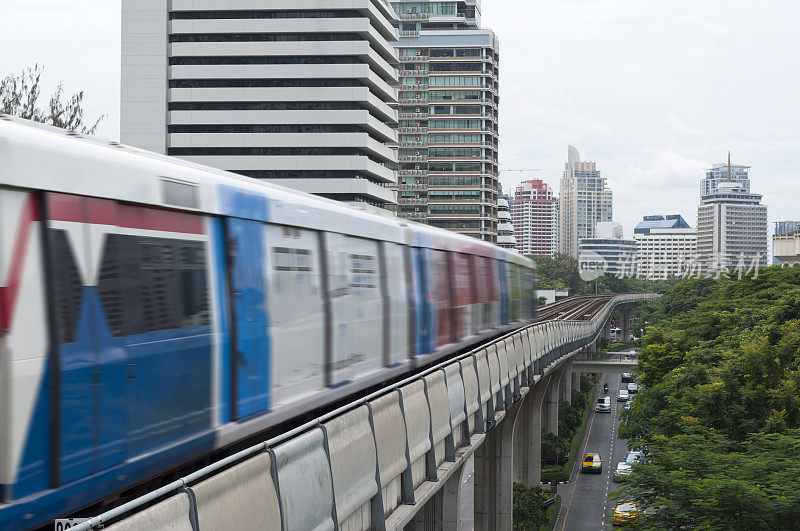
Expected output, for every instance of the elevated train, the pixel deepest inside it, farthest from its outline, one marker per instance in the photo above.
(153, 310)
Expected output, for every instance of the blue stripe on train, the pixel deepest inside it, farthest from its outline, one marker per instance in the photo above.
(32, 473)
(240, 203)
(219, 250)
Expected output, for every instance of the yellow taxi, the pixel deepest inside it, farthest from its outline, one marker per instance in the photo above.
(592, 463)
(625, 513)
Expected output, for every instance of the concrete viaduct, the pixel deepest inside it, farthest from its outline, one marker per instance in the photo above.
(393, 460)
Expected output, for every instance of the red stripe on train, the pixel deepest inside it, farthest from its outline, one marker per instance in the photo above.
(64, 207)
(9, 293)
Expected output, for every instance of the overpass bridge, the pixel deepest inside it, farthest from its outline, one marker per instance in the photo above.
(393, 459)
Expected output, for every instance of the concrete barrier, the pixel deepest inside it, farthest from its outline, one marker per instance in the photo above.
(439, 403)
(389, 427)
(485, 386)
(305, 486)
(173, 513)
(354, 470)
(418, 429)
(458, 414)
(241, 497)
(472, 394)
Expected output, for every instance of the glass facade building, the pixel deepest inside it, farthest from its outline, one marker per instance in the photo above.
(448, 103)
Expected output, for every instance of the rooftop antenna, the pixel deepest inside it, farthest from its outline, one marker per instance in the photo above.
(729, 165)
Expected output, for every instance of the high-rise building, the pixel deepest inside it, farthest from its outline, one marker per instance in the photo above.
(665, 246)
(295, 93)
(719, 174)
(617, 253)
(448, 100)
(786, 243)
(585, 200)
(505, 229)
(731, 227)
(534, 211)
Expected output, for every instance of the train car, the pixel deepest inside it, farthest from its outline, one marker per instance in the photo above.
(153, 310)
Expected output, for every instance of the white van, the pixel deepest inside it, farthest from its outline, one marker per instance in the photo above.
(603, 404)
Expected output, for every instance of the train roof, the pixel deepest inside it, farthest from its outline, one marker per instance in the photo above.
(43, 157)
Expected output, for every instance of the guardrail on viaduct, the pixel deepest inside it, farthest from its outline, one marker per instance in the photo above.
(393, 458)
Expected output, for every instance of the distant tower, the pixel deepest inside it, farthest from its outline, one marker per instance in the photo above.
(731, 221)
(584, 201)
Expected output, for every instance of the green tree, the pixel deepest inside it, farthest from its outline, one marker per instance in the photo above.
(19, 96)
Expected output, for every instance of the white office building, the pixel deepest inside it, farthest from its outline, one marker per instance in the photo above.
(731, 228)
(296, 92)
(609, 247)
(665, 246)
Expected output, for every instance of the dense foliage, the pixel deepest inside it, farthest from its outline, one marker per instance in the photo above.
(560, 272)
(530, 512)
(720, 411)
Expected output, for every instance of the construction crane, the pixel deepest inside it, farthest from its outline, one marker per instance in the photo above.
(534, 169)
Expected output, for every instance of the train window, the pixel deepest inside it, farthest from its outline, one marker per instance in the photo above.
(179, 193)
(148, 284)
(67, 284)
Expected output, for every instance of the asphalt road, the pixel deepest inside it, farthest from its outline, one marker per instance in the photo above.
(585, 504)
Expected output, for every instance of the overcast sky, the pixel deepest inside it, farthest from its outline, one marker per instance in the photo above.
(653, 90)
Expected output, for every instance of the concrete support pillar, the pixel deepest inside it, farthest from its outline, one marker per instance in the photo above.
(528, 436)
(441, 511)
(576, 380)
(625, 317)
(494, 492)
(551, 403)
(607, 330)
(565, 387)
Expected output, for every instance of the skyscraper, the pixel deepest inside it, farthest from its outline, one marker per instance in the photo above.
(534, 211)
(585, 200)
(448, 99)
(731, 227)
(298, 96)
(505, 229)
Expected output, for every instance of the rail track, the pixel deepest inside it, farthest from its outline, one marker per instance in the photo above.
(578, 308)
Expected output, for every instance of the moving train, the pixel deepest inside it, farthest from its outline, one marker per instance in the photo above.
(153, 310)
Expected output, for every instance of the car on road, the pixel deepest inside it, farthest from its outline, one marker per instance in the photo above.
(625, 513)
(633, 387)
(627, 377)
(634, 457)
(622, 472)
(592, 463)
(603, 404)
(623, 395)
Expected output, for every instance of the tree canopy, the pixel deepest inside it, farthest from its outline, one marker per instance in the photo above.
(19, 96)
(719, 413)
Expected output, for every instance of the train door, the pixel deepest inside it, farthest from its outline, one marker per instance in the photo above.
(251, 348)
(424, 324)
(502, 276)
(92, 365)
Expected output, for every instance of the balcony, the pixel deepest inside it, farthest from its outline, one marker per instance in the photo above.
(412, 115)
(415, 86)
(413, 129)
(413, 215)
(414, 144)
(409, 33)
(412, 101)
(414, 16)
(411, 187)
(412, 158)
(413, 59)
(412, 200)
(412, 173)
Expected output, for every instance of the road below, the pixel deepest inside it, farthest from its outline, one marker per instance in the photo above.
(585, 504)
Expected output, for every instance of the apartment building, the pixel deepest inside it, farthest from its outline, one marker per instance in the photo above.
(584, 200)
(534, 212)
(298, 93)
(448, 100)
